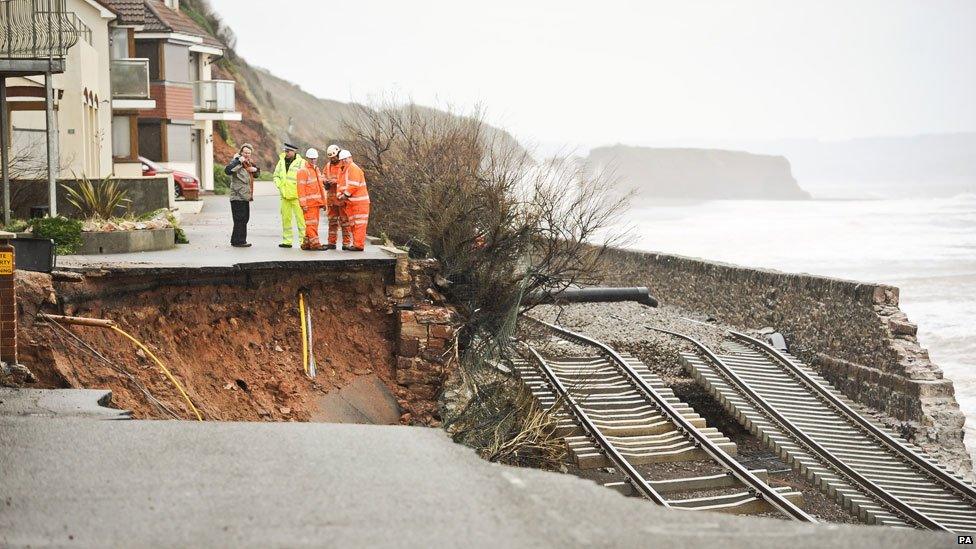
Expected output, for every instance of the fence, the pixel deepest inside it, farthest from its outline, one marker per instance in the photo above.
(38, 29)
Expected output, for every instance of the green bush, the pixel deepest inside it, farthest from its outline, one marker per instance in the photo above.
(15, 226)
(221, 180)
(177, 229)
(66, 233)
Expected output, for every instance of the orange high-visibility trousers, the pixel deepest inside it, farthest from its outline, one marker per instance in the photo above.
(357, 214)
(311, 228)
(338, 219)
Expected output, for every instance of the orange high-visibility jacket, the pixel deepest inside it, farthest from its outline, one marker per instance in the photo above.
(353, 184)
(335, 172)
(311, 193)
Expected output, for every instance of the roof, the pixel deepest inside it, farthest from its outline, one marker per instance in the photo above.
(159, 18)
(130, 12)
(154, 16)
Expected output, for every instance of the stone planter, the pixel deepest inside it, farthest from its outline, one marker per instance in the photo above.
(121, 242)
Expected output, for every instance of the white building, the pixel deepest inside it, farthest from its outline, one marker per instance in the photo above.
(137, 83)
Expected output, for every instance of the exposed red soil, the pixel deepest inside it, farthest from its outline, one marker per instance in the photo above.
(233, 341)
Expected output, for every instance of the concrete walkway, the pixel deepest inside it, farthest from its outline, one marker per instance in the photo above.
(209, 236)
(68, 481)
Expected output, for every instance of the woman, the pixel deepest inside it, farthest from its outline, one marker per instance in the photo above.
(242, 172)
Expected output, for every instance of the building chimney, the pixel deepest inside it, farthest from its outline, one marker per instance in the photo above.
(172, 4)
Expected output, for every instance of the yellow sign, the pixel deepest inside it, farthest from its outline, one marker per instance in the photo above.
(6, 263)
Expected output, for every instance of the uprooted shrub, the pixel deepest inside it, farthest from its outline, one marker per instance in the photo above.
(500, 224)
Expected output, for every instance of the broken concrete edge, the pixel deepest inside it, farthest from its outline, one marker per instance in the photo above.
(61, 403)
(851, 332)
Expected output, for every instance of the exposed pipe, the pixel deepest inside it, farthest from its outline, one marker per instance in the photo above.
(595, 294)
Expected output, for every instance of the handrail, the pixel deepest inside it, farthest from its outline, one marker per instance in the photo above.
(866, 484)
(962, 488)
(37, 29)
(637, 480)
(741, 473)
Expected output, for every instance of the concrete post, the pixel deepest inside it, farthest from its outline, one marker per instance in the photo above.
(52, 136)
(8, 301)
(4, 145)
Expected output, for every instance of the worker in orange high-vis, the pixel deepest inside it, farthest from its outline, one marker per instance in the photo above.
(354, 200)
(311, 198)
(332, 173)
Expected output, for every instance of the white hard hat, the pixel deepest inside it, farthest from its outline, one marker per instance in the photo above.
(332, 151)
(312, 154)
(344, 154)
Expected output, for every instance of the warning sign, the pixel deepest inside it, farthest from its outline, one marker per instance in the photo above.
(6, 263)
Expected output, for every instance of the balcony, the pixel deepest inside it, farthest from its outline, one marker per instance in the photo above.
(215, 100)
(130, 84)
(35, 36)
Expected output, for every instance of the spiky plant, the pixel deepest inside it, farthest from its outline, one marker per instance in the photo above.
(97, 200)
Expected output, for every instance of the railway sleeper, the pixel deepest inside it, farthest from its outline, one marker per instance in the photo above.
(689, 484)
(739, 503)
(851, 499)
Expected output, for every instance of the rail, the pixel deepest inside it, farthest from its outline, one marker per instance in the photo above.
(788, 426)
(739, 471)
(961, 488)
(38, 29)
(636, 479)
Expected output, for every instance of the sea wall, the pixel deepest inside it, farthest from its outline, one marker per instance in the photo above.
(852, 332)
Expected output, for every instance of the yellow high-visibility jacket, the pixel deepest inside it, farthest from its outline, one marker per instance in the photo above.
(287, 180)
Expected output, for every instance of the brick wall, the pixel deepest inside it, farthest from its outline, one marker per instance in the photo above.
(174, 101)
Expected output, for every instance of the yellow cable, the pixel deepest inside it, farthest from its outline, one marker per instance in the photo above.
(163, 368)
(301, 313)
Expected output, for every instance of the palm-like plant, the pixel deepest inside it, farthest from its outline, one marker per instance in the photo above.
(97, 199)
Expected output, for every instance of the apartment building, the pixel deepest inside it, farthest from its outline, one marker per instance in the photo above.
(136, 83)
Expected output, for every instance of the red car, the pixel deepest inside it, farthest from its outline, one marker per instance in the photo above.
(184, 181)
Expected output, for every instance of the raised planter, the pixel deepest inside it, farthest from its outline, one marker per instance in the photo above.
(121, 242)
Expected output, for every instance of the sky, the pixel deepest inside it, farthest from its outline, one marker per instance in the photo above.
(636, 72)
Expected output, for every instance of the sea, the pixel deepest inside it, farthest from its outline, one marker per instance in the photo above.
(924, 245)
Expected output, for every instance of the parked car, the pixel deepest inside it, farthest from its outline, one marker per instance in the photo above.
(185, 183)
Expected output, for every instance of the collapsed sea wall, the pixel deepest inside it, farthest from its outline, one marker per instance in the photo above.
(851, 332)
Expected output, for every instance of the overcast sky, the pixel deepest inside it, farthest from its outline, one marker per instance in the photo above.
(609, 71)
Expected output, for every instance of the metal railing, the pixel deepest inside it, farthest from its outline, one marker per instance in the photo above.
(130, 78)
(38, 29)
(214, 96)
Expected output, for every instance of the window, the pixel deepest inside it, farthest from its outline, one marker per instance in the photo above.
(119, 43)
(194, 67)
(121, 137)
(179, 142)
(151, 140)
(176, 61)
(149, 50)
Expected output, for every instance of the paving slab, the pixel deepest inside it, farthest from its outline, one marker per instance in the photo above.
(209, 234)
(85, 483)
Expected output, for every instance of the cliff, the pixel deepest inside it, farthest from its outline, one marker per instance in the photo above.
(273, 108)
(698, 173)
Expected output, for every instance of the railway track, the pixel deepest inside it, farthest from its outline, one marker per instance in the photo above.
(870, 471)
(613, 411)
